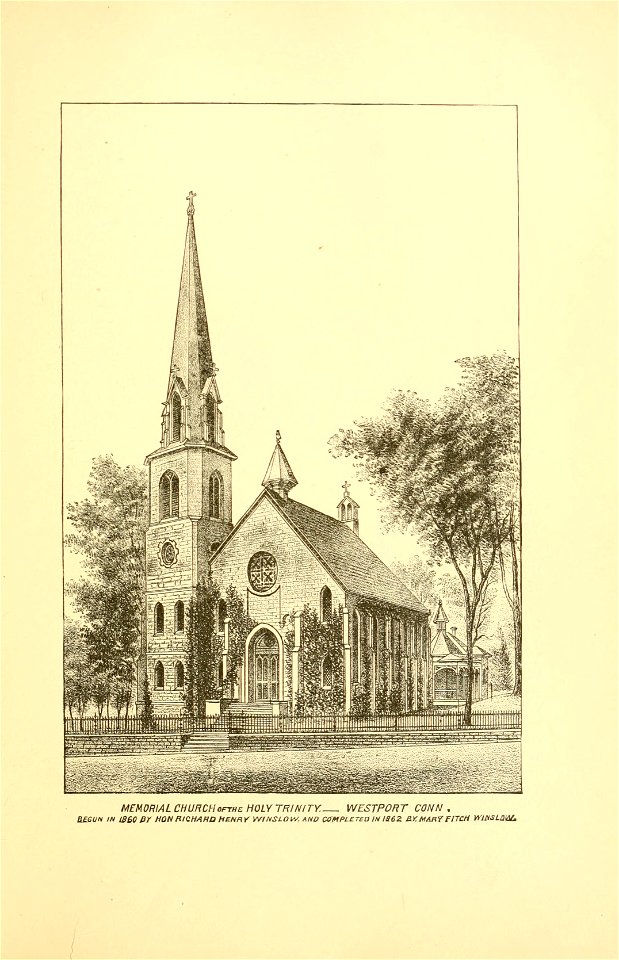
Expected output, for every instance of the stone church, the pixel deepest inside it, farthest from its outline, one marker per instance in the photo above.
(283, 557)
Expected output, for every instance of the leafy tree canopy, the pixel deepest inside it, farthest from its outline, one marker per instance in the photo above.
(447, 471)
(107, 532)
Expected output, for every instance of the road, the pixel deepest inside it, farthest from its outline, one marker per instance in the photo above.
(423, 768)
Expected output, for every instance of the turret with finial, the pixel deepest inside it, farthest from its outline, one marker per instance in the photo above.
(348, 509)
(279, 477)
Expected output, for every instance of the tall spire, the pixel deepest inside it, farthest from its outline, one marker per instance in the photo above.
(279, 476)
(192, 360)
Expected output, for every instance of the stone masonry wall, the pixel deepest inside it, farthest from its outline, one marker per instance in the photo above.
(81, 745)
(300, 575)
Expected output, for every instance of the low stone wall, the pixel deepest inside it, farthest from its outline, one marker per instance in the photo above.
(84, 745)
(347, 741)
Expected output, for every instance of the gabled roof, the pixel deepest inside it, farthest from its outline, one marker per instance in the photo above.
(341, 552)
(346, 556)
(446, 646)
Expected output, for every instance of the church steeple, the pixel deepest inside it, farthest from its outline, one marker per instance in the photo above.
(190, 411)
(279, 476)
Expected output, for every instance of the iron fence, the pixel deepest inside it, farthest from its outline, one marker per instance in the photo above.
(239, 722)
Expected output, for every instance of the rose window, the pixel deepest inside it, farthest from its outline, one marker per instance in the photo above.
(169, 553)
(262, 572)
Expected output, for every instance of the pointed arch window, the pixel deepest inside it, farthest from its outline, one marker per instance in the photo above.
(211, 419)
(349, 512)
(215, 496)
(179, 675)
(168, 495)
(326, 604)
(343, 511)
(356, 632)
(374, 631)
(327, 673)
(179, 617)
(158, 618)
(177, 417)
(159, 675)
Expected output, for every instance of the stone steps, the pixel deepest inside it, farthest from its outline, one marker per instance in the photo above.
(266, 709)
(210, 741)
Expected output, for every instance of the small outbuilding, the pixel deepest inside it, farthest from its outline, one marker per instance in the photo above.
(450, 668)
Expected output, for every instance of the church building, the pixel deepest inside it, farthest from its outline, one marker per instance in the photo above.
(330, 626)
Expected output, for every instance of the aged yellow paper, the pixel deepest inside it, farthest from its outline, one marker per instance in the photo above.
(541, 886)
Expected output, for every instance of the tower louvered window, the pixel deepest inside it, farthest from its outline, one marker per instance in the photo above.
(177, 417)
(211, 419)
(168, 495)
(215, 496)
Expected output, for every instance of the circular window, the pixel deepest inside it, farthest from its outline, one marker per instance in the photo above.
(168, 553)
(262, 571)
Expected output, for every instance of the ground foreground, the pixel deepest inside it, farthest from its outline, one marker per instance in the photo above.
(492, 767)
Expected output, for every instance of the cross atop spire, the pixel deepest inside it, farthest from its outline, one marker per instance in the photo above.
(190, 208)
(346, 487)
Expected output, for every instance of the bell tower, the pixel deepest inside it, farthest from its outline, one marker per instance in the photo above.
(190, 488)
(348, 510)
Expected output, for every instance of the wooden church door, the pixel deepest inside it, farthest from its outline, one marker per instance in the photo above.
(266, 673)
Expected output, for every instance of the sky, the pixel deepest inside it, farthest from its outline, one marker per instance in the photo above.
(345, 252)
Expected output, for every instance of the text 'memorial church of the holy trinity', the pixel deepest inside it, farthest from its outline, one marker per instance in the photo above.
(281, 555)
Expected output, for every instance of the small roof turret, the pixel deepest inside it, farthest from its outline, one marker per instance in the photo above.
(279, 476)
(441, 617)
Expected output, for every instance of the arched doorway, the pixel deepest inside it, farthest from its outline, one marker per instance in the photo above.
(264, 667)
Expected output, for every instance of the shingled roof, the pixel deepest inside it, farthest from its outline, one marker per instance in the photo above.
(345, 555)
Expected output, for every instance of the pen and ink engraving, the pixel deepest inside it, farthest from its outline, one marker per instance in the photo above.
(275, 651)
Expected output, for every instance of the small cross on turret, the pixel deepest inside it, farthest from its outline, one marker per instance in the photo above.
(190, 208)
(348, 509)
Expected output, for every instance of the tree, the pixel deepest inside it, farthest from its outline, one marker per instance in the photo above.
(109, 528)
(204, 648)
(496, 387)
(430, 584)
(239, 628)
(439, 469)
(502, 664)
(321, 662)
(148, 710)
(77, 669)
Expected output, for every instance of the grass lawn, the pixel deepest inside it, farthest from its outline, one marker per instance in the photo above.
(500, 703)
